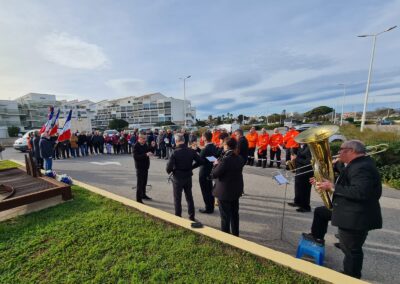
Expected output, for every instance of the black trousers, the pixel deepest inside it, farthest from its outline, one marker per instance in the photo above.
(351, 241)
(290, 151)
(141, 176)
(179, 185)
(302, 191)
(275, 155)
(229, 211)
(206, 190)
(250, 158)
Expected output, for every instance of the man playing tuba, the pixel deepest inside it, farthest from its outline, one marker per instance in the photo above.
(356, 209)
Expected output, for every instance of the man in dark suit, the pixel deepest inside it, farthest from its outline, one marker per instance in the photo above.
(242, 145)
(141, 154)
(229, 186)
(356, 208)
(302, 185)
(204, 174)
(180, 164)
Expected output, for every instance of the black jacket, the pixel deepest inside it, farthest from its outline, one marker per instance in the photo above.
(303, 158)
(142, 161)
(181, 162)
(229, 178)
(208, 150)
(243, 149)
(46, 148)
(36, 149)
(356, 196)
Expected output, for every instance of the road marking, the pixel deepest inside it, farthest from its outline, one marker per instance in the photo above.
(106, 163)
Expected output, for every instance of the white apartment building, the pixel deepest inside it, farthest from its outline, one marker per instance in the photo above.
(9, 114)
(80, 109)
(144, 111)
(33, 109)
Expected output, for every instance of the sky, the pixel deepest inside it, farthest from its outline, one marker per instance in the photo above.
(253, 57)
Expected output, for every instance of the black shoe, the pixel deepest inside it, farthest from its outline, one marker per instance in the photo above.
(147, 197)
(303, 210)
(192, 219)
(139, 201)
(337, 245)
(293, 204)
(310, 237)
(205, 211)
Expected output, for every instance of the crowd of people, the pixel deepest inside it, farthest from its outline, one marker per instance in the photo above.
(221, 157)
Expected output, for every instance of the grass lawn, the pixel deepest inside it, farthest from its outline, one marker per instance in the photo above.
(94, 239)
(6, 164)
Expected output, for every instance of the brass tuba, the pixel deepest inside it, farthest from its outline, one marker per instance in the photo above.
(317, 140)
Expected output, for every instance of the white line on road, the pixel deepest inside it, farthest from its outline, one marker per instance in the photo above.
(106, 163)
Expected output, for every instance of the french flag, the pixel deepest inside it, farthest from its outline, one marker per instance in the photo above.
(47, 125)
(66, 130)
(54, 124)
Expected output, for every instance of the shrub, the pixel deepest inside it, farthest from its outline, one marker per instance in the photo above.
(391, 175)
(13, 131)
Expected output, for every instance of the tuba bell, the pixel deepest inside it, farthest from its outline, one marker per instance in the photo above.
(317, 140)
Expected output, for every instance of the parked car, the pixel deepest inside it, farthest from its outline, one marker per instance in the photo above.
(21, 144)
(110, 132)
(386, 122)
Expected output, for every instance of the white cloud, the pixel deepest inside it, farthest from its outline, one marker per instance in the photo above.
(127, 86)
(65, 50)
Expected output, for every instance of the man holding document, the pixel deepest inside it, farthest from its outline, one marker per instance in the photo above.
(208, 154)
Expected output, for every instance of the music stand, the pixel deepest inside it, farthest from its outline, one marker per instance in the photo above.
(280, 179)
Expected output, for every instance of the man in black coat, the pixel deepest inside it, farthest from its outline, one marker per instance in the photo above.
(229, 186)
(36, 150)
(141, 156)
(302, 185)
(242, 145)
(204, 174)
(180, 164)
(356, 208)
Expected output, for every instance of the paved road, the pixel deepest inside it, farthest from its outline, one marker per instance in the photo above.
(260, 209)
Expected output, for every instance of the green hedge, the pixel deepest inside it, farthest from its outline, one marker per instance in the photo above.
(391, 175)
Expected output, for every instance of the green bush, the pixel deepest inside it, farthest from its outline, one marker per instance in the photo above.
(13, 131)
(391, 175)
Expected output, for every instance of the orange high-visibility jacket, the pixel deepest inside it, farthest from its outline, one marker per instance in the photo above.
(275, 141)
(252, 139)
(289, 139)
(263, 141)
(215, 137)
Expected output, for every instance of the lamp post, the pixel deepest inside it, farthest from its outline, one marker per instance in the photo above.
(344, 96)
(369, 73)
(184, 97)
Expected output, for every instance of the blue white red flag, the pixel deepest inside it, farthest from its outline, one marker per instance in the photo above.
(66, 130)
(54, 124)
(46, 126)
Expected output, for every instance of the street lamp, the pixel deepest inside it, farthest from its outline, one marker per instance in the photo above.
(344, 96)
(369, 73)
(184, 97)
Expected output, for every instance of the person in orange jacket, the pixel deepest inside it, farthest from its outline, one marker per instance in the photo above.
(291, 146)
(252, 139)
(275, 142)
(215, 137)
(262, 144)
